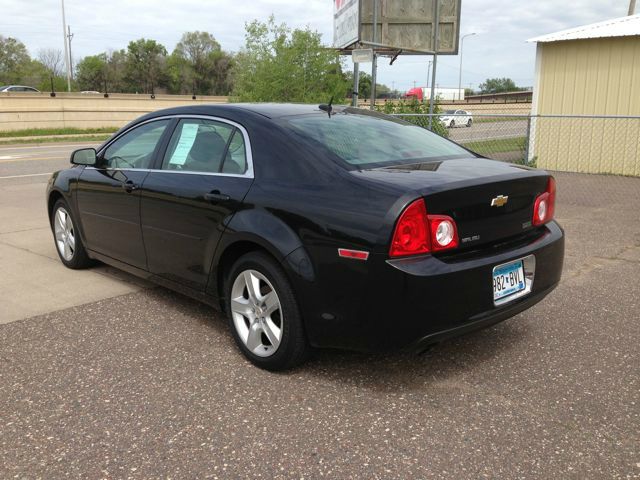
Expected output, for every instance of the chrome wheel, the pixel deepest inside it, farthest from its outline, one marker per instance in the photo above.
(65, 234)
(256, 313)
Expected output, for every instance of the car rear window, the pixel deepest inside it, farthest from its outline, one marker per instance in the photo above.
(370, 140)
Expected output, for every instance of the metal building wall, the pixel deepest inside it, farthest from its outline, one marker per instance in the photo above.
(598, 76)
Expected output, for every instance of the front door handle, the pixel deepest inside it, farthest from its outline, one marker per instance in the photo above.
(216, 196)
(129, 186)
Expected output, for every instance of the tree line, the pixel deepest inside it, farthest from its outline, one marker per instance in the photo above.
(275, 64)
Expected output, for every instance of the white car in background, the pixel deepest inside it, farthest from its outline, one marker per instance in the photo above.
(18, 88)
(456, 118)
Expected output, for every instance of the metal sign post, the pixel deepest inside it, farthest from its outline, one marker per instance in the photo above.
(436, 25)
(356, 83)
(374, 62)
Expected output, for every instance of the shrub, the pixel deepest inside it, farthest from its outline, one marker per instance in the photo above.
(413, 106)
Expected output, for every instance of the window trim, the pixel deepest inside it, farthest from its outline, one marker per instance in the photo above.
(154, 153)
(245, 135)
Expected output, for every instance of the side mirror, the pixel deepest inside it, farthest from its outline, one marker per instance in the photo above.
(84, 156)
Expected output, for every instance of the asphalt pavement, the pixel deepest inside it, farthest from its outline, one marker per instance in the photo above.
(146, 383)
(489, 130)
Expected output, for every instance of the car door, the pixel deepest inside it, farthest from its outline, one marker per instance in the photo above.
(108, 195)
(200, 181)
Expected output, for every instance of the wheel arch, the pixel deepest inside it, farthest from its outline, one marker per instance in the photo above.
(54, 196)
(265, 233)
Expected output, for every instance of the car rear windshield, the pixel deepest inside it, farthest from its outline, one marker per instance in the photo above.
(373, 140)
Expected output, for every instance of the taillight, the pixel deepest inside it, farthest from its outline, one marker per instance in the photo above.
(411, 236)
(417, 232)
(545, 204)
(444, 234)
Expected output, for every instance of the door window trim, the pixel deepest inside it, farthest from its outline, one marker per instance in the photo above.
(249, 173)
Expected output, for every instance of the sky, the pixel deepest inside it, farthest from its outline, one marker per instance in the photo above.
(499, 48)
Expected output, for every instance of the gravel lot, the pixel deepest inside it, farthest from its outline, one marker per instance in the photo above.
(149, 384)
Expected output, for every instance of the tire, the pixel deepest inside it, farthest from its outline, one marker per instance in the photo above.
(452, 124)
(67, 239)
(269, 331)
(469, 122)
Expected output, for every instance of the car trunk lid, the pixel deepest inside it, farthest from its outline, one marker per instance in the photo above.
(490, 201)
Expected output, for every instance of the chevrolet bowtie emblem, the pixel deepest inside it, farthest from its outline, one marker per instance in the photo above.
(499, 201)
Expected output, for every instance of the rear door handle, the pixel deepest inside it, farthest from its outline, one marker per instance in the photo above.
(129, 186)
(216, 196)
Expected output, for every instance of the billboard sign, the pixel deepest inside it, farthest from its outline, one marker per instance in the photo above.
(406, 25)
(346, 16)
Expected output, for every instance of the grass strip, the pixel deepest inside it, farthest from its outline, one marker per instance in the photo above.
(498, 145)
(36, 132)
(88, 139)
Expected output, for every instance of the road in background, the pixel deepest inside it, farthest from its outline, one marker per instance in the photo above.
(20, 161)
(494, 130)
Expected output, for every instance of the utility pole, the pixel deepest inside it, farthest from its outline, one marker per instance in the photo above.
(66, 49)
(70, 36)
(632, 7)
(424, 98)
(460, 73)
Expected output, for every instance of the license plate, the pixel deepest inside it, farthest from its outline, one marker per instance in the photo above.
(508, 279)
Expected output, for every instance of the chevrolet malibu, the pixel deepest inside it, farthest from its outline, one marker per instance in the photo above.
(312, 226)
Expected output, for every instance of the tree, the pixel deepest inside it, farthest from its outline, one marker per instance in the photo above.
(498, 85)
(116, 71)
(198, 64)
(92, 72)
(52, 61)
(279, 64)
(14, 60)
(145, 65)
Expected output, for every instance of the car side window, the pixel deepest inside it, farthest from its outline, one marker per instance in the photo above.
(235, 160)
(135, 148)
(198, 145)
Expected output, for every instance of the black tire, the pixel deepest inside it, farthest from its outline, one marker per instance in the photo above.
(293, 348)
(79, 258)
(469, 122)
(452, 124)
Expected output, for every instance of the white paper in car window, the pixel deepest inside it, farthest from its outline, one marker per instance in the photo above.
(187, 137)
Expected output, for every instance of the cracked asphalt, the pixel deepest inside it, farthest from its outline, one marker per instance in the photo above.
(149, 384)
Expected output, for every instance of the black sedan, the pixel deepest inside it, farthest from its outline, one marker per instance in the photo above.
(313, 226)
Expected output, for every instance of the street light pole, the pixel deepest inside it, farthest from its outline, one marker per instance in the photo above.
(460, 73)
(66, 49)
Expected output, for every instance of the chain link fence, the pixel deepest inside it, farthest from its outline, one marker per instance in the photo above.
(592, 156)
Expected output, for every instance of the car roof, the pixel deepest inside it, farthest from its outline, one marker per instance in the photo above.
(267, 110)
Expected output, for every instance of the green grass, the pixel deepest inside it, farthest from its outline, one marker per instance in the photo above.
(86, 139)
(36, 132)
(499, 145)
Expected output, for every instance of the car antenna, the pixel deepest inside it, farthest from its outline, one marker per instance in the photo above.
(327, 108)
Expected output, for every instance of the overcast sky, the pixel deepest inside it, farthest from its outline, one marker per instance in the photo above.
(498, 50)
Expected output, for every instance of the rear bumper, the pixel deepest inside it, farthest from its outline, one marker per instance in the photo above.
(410, 303)
(483, 320)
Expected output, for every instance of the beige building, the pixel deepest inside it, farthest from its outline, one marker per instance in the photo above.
(593, 70)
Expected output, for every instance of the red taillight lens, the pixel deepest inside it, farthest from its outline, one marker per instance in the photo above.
(411, 236)
(545, 204)
(417, 233)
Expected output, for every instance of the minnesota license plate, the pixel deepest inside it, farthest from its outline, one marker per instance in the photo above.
(508, 279)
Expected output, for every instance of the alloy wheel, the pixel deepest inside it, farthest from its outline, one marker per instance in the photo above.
(65, 234)
(257, 313)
